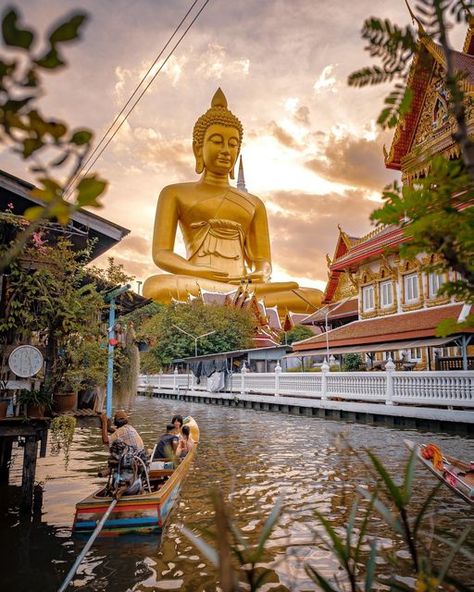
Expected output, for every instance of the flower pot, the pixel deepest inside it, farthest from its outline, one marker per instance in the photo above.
(35, 411)
(63, 402)
(3, 407)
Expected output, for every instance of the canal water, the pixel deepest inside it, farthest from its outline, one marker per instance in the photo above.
(253, 456)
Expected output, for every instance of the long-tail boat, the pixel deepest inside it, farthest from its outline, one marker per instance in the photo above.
(145, 512)
(458, 475)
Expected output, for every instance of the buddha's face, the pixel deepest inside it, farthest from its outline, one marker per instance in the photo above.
(220, 148)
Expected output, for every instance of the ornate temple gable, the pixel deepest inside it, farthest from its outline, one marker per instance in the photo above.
(427, 129)
(339, 285)
(346, 287)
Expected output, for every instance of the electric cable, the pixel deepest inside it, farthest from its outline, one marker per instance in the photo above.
(79, 174)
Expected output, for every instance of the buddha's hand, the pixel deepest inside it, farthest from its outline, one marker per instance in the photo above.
(255, 277)
(210, 274)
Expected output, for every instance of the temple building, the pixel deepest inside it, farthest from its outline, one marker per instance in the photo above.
(377, 304)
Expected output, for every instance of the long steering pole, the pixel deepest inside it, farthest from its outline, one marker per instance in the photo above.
(87, 546)
(100, 524)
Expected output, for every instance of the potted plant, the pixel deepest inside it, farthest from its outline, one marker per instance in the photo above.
(65, 393)
(36, 402)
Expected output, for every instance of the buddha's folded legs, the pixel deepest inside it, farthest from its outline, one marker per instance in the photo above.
(286, 295)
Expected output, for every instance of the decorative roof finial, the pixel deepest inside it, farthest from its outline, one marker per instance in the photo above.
(415, 19)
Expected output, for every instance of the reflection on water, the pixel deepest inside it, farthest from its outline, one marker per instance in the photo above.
(253, 456)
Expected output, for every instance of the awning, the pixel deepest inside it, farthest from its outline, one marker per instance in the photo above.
(360, 349)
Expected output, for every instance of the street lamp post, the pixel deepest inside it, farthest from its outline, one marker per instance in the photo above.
(326, 325)
(195, 337)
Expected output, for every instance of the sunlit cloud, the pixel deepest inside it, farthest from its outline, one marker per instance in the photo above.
(215, 61)
(326, 81)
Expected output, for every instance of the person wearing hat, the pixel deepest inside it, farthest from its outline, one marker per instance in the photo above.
(123, 430)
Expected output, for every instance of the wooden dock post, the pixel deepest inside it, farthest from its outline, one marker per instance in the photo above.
(29, 470)
(5, 458)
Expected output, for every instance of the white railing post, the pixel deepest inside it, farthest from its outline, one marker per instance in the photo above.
(243, 372)
(324, 379)
(175, 379)
(277, 378)
(389, 368)
(159, 379)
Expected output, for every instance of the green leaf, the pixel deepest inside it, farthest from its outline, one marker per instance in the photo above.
(14, 36)
(81, 137)
(88, 190)
(61, 160)
(68, 30)
(34, 213)
(50, 60)
(31, 145)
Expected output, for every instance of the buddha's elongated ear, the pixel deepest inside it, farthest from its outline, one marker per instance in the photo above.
(197, 149)
(232, 173)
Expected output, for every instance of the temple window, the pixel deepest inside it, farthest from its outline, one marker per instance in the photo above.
(368, 300)
(410, 285)
(386, 294)
(435, 281)
(415, 354)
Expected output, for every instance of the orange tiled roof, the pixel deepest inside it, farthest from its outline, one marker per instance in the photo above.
(375, 244)
(348, 308)
(408, 325)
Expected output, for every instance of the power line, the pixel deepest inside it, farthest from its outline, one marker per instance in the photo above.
(79, 173)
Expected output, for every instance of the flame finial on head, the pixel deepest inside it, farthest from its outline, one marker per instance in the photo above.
(219, 100)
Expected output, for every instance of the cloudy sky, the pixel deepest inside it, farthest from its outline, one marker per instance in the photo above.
(311, 148)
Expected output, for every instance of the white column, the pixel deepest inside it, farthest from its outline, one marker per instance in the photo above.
(389, 368)
(277, 378)
(324, 379)
(243, 372)
(175, 380)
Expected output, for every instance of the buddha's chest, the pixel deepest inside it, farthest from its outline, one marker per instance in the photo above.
(225, 208)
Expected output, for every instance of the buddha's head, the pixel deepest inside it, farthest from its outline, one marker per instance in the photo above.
(217, 137)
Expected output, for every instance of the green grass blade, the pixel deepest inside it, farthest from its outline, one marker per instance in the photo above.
(350, 526)
(363, 528)
(382, 509)
(209, 553)
(408, 479)
(319, 579)
(337, 542)
(370, 574)
(394, 490)
(454, 551)
(269, 525)
(424, 508)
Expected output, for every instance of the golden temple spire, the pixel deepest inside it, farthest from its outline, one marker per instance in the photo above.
(415, 19)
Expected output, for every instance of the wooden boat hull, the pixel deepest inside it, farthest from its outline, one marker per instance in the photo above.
(145, 513)
(451, 475)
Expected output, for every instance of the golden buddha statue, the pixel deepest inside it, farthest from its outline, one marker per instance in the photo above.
(225, 230)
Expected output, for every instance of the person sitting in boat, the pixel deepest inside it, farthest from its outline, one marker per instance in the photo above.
(177, 421)
(186, 443)
(123, 431)
(167, 444)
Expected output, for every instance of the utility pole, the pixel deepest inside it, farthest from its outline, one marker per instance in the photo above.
(195, 337)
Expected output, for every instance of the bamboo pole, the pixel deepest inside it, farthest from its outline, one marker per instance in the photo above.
(87, 546)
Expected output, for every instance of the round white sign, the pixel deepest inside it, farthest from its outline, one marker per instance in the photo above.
(25, 361)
